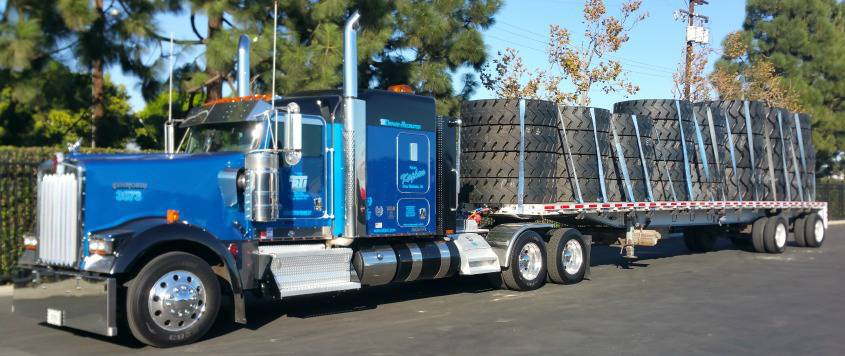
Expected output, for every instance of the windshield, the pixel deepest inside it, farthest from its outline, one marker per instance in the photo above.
(227, 137)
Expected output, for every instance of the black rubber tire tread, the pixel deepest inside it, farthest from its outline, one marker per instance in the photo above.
(585, 166)
(511, 276)
(554, 261)
(496, 191)
(577, 118)
(137, 315)
(798, 231)
(769, 242)
(590, 189)
(758, 233)
(506, 112)
(809, 231)
(505, 138)
(506, 165)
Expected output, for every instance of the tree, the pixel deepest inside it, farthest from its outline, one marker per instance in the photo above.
(700, 86)
(419, 43)
(583, 66)
(804, 43)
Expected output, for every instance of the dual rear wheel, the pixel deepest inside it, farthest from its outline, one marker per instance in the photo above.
(562, 260)
(769, 234)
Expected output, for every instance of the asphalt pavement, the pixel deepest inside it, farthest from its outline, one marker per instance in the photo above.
(669, 302)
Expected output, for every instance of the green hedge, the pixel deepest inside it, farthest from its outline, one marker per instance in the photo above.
(18, 174)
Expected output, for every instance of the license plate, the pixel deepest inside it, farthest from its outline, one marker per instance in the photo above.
(54, 317)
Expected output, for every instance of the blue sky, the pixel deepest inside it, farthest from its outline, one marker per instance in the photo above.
(650, 57)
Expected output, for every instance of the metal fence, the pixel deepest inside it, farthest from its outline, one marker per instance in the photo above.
(834, 195)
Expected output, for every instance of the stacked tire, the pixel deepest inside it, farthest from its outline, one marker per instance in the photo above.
(581, 159)
(808, 178)
(673, 141)
(710, 150)
(490, 151)
(634, 156)
(741, 184)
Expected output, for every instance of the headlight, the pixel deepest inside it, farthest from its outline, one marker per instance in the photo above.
(30, 243)
(99, 246)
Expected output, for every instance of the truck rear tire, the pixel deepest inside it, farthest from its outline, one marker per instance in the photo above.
(527, 268)
(757, 233)
(775, 233)
(566, 262)
(173, 300)
(814, 230)
(798, 231)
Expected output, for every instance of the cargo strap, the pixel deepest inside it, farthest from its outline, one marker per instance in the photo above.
(801, 150)
(767, 141)
(783, 154)
(598, 156)
(520, 184)
(646, 177)
(702, 151)
(733, 157)
(717, 160)
(671, 184)
(750, 138)
(568, 152)
(796, 167)
(690, 193)
(620, 158)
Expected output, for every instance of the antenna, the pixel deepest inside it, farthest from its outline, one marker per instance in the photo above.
(273, 80)
(170, 85)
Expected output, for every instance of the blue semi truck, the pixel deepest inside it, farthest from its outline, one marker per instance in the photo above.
(311, 193)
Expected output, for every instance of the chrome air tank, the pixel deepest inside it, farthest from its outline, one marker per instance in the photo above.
(261, 196)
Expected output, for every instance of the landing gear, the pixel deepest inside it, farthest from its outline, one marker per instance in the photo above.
(173, 300)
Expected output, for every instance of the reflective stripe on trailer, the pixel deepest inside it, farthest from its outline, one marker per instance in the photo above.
(575, 208)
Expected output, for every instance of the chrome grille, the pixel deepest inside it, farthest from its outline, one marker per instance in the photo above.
(58, 225)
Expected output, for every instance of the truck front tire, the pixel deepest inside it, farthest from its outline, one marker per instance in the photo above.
(173, 300)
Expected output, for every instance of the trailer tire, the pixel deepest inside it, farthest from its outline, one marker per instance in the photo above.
(774, 237)
(192, 312)
(798, 231)
(700, 240)
(566, 260)
(814, 230)
(527, 268)
(757, 233)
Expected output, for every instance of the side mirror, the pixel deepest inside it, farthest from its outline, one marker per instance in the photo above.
(293, 135)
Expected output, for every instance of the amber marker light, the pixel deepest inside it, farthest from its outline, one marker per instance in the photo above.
(172, 216)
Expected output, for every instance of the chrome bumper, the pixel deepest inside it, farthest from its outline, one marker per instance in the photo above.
(68, 299)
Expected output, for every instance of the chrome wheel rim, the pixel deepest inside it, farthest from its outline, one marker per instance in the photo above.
(818, 231)
(177, 300)
(530, 261)
(780, 235)
(573, 257)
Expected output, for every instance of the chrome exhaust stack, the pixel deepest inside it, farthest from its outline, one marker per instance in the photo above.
(243, 65)
(353, 115)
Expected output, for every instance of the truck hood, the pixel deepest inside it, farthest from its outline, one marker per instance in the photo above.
(122, 187)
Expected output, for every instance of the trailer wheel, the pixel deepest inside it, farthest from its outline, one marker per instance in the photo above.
(527, 268)
(566, 257)
(813, 230)
(173, 300)
(798, 231)
(757, 233)
(774, 236)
